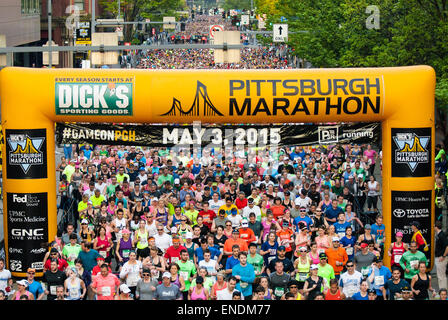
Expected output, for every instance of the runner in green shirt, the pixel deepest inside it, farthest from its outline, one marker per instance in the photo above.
(255, 260)
(71, 251)
(410, 259)
(110, 190)
(325, 270)
(97, 199)
(187, 270)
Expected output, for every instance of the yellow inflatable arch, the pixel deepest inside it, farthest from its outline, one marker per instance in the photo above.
(32, 100)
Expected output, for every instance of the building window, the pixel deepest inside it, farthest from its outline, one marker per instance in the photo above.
(80, 4)
(30, 6)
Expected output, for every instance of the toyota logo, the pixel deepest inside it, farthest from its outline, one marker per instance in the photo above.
(399, 213)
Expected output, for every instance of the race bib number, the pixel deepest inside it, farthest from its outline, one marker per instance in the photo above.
(279, 291)
(351, 291)
(143, 241)
(118, 236)
(365, 271)
(106, 291)
(53, 290)
(414, 263)
(379, 281)
(72, 257)
(270, 259)
(243, 284)
(303, 276)
(349, 251)
(341, 235)
(132, 280)
(184, 274)
(174, 259)
(321, 251)
(126, 253)
(74, 293)
(397, 258)
(103, 254)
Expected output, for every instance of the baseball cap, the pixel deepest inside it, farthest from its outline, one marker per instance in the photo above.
(244, 223)
(376, 260)
(281, 248)
(166, 275)
(54, 250)
(335, 239)
(124, 288)
(188, 235)
(399, 234)
(176, 181)
(314, 267)
(405, 289)
(364, 245)
(125, 231)
(367, 226)
(235, 231)
(369, 291)
(322, 255)
(155, 199)
(84, 221)
(100, 258)
(22, 282)
(250, 200)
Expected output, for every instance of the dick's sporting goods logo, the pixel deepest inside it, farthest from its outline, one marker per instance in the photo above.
(26, 150)
(411, 149)
(102, 98)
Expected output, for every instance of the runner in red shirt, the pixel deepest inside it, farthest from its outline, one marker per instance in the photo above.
(396, 251)
(207, 214)
(97, 269)
(241, 202)
(54, 254)
(334, 293)
(172, 254)
(246, 233)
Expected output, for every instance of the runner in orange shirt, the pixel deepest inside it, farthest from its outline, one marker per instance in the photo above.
(337, 257)
(235, 239)
(246, 233)
(286, 238)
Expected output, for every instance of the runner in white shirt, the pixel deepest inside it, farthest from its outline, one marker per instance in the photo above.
(251, 207)
(350, 281)
(215, 203)
(226, 294)
(303, 200)
(5, 277)
(163, 240)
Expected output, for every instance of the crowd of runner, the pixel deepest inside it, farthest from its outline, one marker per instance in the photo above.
(151, 223)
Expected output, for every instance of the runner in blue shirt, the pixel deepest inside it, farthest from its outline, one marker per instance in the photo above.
(378, 276)
(332, 212)
(304, 218)
(341, 225)
(348, 242)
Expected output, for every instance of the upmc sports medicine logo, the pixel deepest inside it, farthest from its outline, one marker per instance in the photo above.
(201, 99)
(85, 98)
(27, 156)
(411, 149)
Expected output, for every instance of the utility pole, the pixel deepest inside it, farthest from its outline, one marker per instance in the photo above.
(118, 9)
(93, 16)
(49, 34)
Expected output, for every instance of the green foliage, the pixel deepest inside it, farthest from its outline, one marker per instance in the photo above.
(236, 5)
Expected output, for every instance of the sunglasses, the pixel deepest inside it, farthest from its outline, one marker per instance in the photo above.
(349, 266)
(146, 274)
(30, 272)
(293, 287)
(159, 229)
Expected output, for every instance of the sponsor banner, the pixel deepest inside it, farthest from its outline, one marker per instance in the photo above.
(411, 152)
(26, 153)
(226, 135)
(27, 230)
(83, 33)
(94, 96)
(409, 206)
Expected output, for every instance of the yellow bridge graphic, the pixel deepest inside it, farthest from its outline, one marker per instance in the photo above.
(29, 148)
(201, 100)
(416, 146)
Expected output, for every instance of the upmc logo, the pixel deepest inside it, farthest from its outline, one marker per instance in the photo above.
(328, 135)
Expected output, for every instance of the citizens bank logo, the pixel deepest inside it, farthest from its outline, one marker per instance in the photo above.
(412, 149)
(201, 101)
(25, 151)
